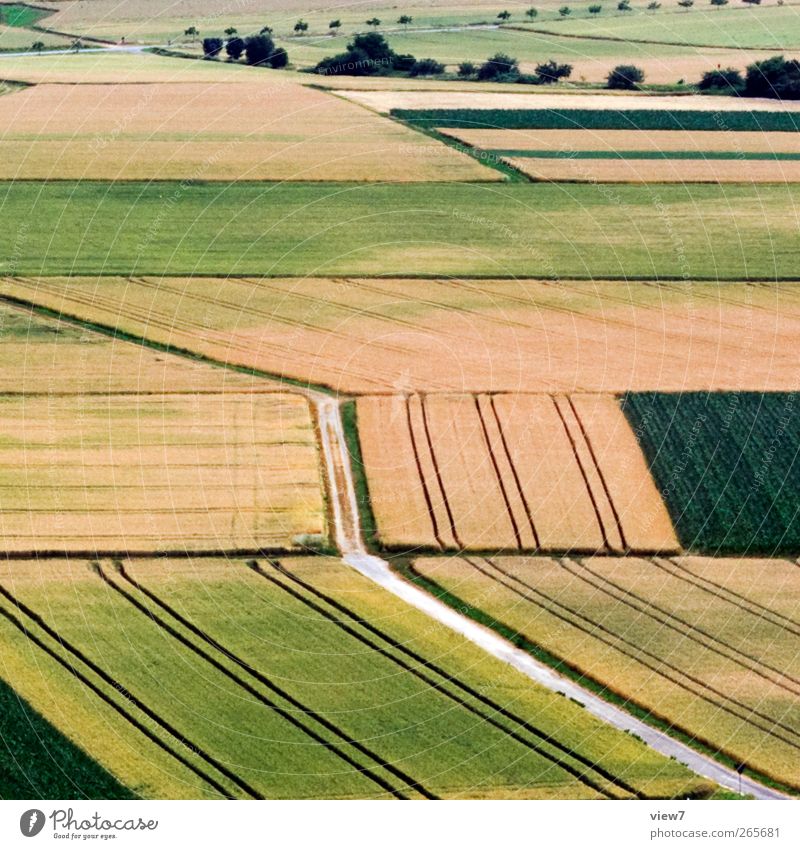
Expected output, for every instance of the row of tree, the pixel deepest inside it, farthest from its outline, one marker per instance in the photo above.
(257, 49)
(775, 77)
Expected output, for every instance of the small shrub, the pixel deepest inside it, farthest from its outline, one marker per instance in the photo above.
(727, 81)
(499, 65)
(625, 77)
(427, 68)
(595, 9)
(624, 5)
(564, 11)
(551, 71)
(467, 69)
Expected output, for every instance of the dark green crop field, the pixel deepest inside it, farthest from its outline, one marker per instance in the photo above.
(38, 762)
(601, 119)
(545, 230)
(728, 466)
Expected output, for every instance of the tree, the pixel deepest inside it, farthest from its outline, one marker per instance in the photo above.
(624, 5)
(595, 9)
(505, 15)
(653, 5)
(366, 54)
(497, 66)
(259, 49)
(192, 32)
(532, 13)
(212, 47)
(686, 4)
(551, 71)
(373, 22)
(280, 58)
(467, 69)
(234, 48)
(625, 77)
(719, 3)
(427, 68)
(775, 77)
(38, 46)
(335, 25)
(752, 2)
(301, 26)
(727, 81)
(564, 11)
(265, 30)
(231, 32)
(405, 20)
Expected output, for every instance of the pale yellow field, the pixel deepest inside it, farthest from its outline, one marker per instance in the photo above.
(629, 140)
(44, 356)
(264, 130)
(368, 336)
(695, 658)
(157, 473)
(617, 170)
(509, 472)
(385, 101)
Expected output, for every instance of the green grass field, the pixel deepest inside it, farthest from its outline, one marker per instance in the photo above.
(480, 230)
(772, 27)
(709, 667)
(727, 465)
(21, 15)
(241, 663)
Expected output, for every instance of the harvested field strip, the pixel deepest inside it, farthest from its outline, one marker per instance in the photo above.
(719, 591)
(173, 750)
(686, 143)
(667, 619)
(441, 681)
(290, 714)
(653, 662)
(601, 119)
(472, 493)
(591, 474)
(39, 762)
(627, 170)
(429, 471)
(404, 514)
(638, 509)
(739, 463)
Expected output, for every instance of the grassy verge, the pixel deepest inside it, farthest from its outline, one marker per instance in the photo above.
(405, 567)
(642, 154)
(369, 527)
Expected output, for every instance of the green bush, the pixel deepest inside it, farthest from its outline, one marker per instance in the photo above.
(727, 81)
(499, 65)
(625, 77)
(552, 71)
(212, 47)
(427, 68)
(775, 77)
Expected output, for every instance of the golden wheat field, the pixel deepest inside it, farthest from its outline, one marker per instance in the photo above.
(719, 667)
(613, 141)
(368, 336)
(264, 130)
(616, 170)
(509, 472)
(157, 473)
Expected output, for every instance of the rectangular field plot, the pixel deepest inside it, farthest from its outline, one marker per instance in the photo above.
(617, 170)
(374, 336)
(263, 130)
(155, 473)
(728, 466)
(684, 142)
(509, 472)
(709, 647)
(301, 679)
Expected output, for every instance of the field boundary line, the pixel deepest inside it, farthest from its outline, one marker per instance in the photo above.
(285, 714)
(668, 620)
(142, 706)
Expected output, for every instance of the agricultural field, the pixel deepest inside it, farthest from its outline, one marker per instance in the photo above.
(618, 170)
(179, 131)
(508, 472)
(705, 648)
(464, 230)
(237, 661)
(727, 465)
(158, 473)
(367, 336)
